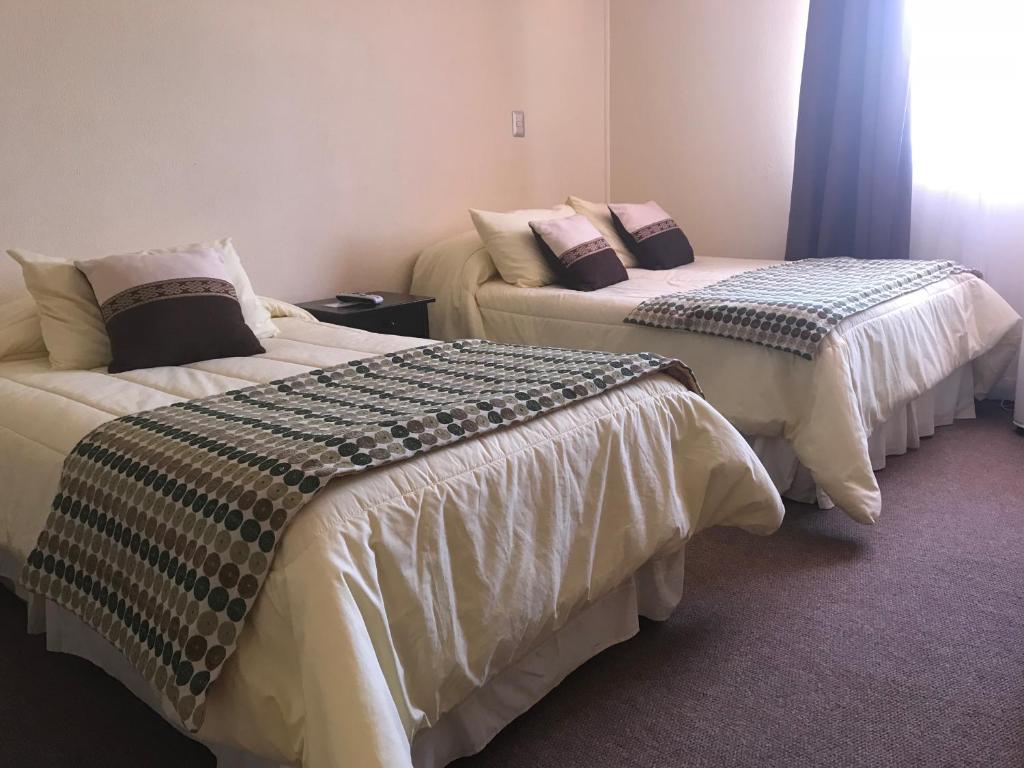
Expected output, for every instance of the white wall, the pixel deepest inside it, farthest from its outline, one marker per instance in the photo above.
(704, 97)
(333, 139)
(336, 138)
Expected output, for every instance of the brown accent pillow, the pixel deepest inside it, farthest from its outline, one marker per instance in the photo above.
(577, 253)
(168, 309)
(652, 235)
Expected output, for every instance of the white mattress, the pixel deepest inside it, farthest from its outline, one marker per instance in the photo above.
(397, 593)
(871, 366)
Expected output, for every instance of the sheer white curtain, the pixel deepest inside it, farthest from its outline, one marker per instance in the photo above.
(967, 123)
(967, 119)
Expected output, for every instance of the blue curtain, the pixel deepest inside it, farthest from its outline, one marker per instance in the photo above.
(852, 171)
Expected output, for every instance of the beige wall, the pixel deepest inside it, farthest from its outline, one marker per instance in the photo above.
(703, 115)
(333, 139)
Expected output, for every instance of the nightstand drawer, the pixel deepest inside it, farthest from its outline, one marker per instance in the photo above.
(397, 321)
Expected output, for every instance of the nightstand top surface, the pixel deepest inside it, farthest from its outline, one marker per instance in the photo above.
(390, 300)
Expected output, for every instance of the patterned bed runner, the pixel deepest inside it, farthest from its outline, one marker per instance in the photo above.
(166, 522)
(791, 306)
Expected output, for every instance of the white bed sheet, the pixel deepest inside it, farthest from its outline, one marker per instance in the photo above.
(869, 368)
(397, 593)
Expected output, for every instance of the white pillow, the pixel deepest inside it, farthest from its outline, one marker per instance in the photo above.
(278, 308)
(601, 218)
(21, 336)
(512, 244)
(69, 314)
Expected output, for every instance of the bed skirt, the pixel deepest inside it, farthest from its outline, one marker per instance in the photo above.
(951, 399)
(654, 592)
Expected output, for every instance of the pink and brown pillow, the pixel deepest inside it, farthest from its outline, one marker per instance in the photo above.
(651, 235)
(578, 254)
(168, 309)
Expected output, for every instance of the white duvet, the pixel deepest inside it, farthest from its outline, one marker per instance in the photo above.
(396, 593)
(873, 364)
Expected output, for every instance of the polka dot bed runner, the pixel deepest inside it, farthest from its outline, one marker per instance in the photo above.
(166, 522)
(791, 306)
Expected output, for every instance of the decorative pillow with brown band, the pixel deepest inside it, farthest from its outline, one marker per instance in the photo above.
(578, 254)
(652, 235)
(168, 309)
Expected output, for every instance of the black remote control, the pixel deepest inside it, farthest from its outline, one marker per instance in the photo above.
(360, 298)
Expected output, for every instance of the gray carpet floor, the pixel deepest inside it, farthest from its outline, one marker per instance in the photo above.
(828, 644)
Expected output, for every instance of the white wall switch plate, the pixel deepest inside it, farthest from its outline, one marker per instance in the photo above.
(518, 124)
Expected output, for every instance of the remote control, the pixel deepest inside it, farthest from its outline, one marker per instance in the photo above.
(360, 298)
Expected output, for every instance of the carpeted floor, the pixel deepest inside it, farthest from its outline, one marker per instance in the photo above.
(828, 644)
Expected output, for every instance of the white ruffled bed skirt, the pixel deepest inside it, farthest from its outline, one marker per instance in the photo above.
(951, 399)
(654, 591)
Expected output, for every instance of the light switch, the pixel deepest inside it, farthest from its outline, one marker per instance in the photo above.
(518, 124)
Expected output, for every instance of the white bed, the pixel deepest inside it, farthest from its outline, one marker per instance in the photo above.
(413, 611)
(882, 380)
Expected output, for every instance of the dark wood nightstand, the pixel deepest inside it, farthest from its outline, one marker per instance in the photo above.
(401, 314)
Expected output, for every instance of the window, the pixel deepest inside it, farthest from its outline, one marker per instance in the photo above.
(967, 97)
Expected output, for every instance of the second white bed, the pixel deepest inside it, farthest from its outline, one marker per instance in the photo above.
(953, 339)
